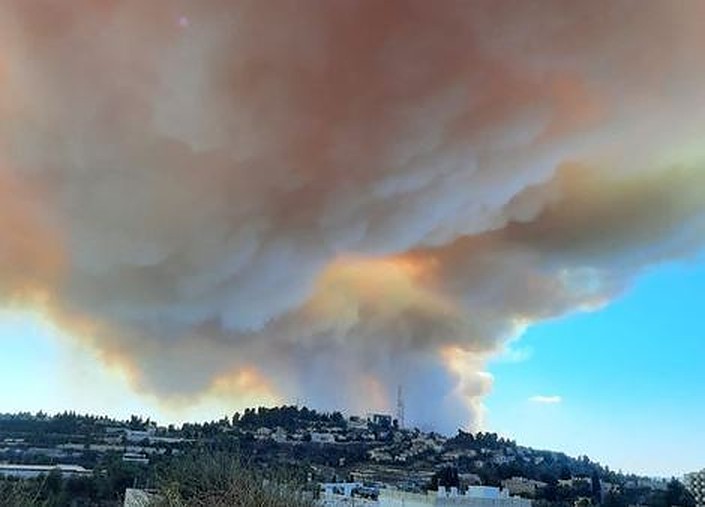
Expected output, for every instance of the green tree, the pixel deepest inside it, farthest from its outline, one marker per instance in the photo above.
(677, 494)
(596, 487)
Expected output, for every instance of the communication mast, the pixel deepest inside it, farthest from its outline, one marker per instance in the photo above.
(400, 406)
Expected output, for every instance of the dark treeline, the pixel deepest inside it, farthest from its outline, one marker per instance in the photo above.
(67, 422)
(290, 418)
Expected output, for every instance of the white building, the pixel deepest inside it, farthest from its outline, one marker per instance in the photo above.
(695, 483)
(263, 433)
(657, 484)
(322, 438)
(32, 471)
(343, 494)
(475, 496)
(279, 435)
(487, 492)
(139, 435)
(135, 457)
(357, 423)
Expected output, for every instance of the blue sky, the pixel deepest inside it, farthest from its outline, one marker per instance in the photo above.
(630, 378)
(43, 369)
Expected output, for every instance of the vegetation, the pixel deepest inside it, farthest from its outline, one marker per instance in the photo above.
(19, 493)
(220, 479)
(199, 478)
(265, 457)
(51, 491)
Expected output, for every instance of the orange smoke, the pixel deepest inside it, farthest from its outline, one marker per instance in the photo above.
(32, 257)
(391, 284)
(246, 382)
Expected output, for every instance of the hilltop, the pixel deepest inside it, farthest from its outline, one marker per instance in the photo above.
(315, 447)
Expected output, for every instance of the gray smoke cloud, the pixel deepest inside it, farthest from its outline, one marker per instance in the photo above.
(329, 199)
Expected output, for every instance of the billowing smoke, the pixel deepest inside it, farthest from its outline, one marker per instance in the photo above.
(321, 200)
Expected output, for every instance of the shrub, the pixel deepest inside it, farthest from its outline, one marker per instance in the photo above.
(219, 479)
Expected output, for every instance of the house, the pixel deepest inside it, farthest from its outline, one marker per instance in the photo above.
(357, 423)
(322, 438)
(381, 420)
(522, 486)
(139, 435)
(279, 435)
(135, 457)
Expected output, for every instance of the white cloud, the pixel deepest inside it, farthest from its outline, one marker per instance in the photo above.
(546, 400)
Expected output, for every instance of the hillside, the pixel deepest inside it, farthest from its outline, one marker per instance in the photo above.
(313, 447)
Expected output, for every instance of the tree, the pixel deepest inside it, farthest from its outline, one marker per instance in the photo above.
(613, 499)
(565, 473)
(596, 487)
(676, 494)
(447, 477)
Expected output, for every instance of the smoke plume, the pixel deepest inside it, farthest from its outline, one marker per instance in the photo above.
(321, 200)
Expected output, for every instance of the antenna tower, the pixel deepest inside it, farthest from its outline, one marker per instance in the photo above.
(400, 406)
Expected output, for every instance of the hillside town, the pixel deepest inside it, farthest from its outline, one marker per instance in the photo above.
(367, 459)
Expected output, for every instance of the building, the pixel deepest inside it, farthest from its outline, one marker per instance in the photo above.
(343, 494)
(575, 482)
(139, 435)
(522, 486)
(357, 423)
(474, 496)
(135, 457)
(656, 484)
(263, 433)
(322, 438)
(381, 420)
(608, 488)
(695, 483)
(279, 435)
(32, 471)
